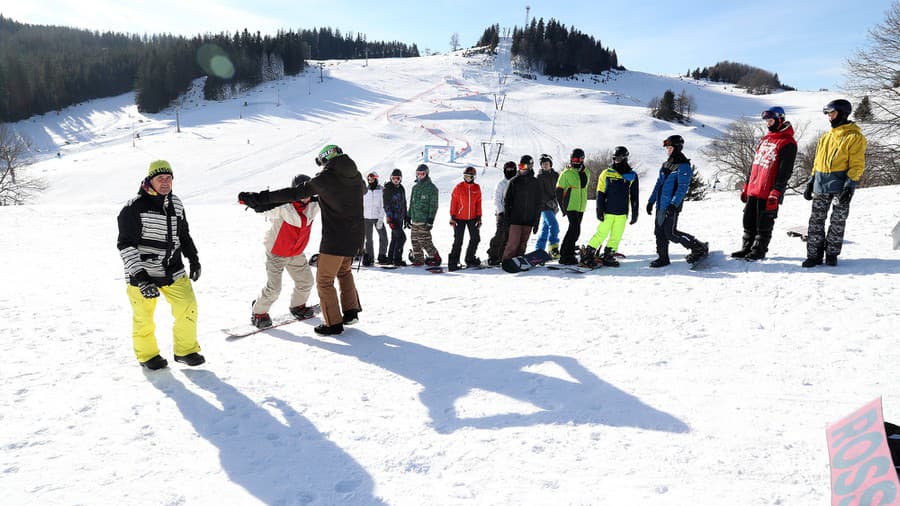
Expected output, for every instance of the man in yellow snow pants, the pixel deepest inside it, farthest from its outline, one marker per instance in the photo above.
(180, 295)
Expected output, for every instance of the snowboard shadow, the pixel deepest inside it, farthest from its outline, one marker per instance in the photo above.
(288, 462)
(447, 377)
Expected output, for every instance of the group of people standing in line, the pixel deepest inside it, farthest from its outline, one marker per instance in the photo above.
(154, 234)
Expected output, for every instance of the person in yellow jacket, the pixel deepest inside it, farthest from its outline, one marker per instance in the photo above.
(153, 236)
(839, 164)
(571, 193)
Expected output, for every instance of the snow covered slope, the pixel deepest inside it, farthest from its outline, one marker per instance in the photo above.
(621, 386)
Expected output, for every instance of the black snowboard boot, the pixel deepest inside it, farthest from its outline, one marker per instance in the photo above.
(367, 261)
(814, 260)
(589, 257)
(760, 247)
(700, 250)
(329, 330)
(302, 312)
(351, 316)
(831, 260)
(746, 246)
(609, 258)
(261, 321)
(473, 262)
(191, 359)
(155, 363)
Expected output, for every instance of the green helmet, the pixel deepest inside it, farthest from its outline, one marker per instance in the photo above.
(327, 153)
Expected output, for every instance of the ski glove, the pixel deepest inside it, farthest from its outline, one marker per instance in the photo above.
(478, 223)
(406, 223)
(633, 219)
(391, 223)
(428, 226)
(534, 229)
(379, 225)
(670, 211)
(845, 196)
(148, 290)
(807, 194)
(650, 208)
(452, 223)
(249, 199)
(195, 270)
(744, 194)
(772, 201)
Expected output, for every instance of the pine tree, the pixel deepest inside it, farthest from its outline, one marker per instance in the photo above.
(863, 111)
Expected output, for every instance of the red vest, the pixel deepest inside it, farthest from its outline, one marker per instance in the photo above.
(291, 240)
(766, 162)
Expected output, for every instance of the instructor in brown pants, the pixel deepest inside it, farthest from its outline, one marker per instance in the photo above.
(340, 189)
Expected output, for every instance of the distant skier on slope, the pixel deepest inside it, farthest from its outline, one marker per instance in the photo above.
(153, 236)
(285, 244)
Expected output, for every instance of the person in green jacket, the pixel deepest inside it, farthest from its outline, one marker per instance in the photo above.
(571, 193)
(423, 206)
(617, 194)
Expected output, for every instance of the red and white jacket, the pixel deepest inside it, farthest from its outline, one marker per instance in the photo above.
(291, 224)
(465, 202)
(773, 162)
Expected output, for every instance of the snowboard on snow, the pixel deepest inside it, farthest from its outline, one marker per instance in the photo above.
(798, 231)
(527, 261)
(705, 262)
(575, 268)
(896, 235)
(277, 321)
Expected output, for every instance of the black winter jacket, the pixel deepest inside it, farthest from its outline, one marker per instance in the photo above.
(523, 200)
(548, 180)
(340, 189)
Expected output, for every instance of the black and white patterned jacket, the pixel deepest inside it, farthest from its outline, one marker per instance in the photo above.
(153, 235)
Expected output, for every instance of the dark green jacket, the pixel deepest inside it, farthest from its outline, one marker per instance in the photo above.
(423, 202)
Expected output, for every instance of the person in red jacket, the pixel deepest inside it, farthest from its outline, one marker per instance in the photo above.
(285, 243)
(763, 191)
(465, 213)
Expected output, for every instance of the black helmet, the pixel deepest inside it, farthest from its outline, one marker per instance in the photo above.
(299, 180)
(470, 171)
(526, 162)
(546, 158)
(840, 105)
(676, 141)
(422, 168)
(577, 153)
(621, 152)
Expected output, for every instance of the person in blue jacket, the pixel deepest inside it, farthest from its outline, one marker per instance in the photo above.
(668, 195)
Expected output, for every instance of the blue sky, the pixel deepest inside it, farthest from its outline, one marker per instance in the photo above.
(805, 41)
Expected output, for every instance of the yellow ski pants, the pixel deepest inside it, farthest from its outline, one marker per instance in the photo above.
(179, 295)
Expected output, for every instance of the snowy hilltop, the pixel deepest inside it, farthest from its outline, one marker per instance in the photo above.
(625, 385)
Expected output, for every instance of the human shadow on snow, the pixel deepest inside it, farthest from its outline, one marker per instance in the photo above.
(288, 462)
(447, 377)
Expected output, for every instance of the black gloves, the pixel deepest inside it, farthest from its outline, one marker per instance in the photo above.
(148, 290)
(406, 223)
(846, 195)
(600, 214)
(670, 211)
(649, 207)
(258, 201)
(633, 219)
(534, 229)
(195, 269)
(807, 194)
